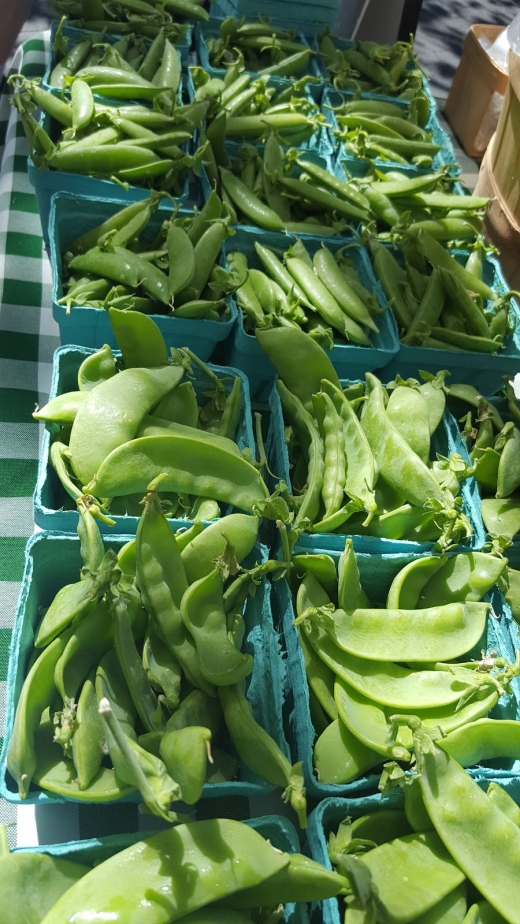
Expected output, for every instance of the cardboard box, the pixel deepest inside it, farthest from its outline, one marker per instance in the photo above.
(470, 104)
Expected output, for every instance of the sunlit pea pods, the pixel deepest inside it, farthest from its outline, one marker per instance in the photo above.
(185, 753)
(339, 756)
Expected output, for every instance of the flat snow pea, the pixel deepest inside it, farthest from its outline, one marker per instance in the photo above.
(185, 754)
(438, 633)
(292, 350)
(179, 405)
(223, 856)
(405, 589)
(190, 468)
(483, 913)
(96, 368)
(418, 858)
(339, 756)
(501, 517)
(319, 677)
(112, 412)
(485, 739)
(508, 478)
(138, 338)
(471, 826)
(302, 880)
(408, 411)
(505, 802)
(237, 530)
(465, 577)
(88, 735)
(62, 409)
(34, 882)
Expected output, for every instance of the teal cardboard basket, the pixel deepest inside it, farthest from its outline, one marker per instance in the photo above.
(74, 36)
(53, 560)
(377, 573)
(274, 828)
(331, 99)
(72, 215)
(53, 509)
(446, 440)
(349, 360)
(483, 370)
(48, 182)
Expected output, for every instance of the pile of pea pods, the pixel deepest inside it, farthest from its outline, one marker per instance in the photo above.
(413, 655)
(361, 455)
(104, 449)
(237, 875)
(261, 48)
(121, 264)
(138, 668)
(144, 17)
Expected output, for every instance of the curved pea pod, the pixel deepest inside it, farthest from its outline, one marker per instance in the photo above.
(237, 530)
(368, 722)
(350, 591)
(440, 258)
(162, 581)
(197, 709)
(485, 739)
(322, 567)
(88, 642)
(74, 602)
(501, 797)
(408, 411)
(501, 517)
(37, 691)
(185, 754)
(260, 752)
(398, 687)
(112, 412)
(508, 478)
(336, 283)
(228, 855)
(340, 757)
(114, 266)
(486, 462)
(139, 339)
(179, 405)
(397, 463)
(181, 259)
(324, 302)
(249, 204)
(145, 700)
(154, 426)
(88, 735)
(304, 423)
(96, 368)
(62, 409)
(189, 469)
(419, 858)
(474, 835)
(466, 577)
(320, 678)
(362, 470)
(406, 588)
(435, 397)
(303, 880)
(202, 611)
(433, 634)
(163, 669)
(292, 350)
(34, 882)
(483, 913)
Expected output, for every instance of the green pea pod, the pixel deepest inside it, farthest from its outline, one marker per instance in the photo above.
(290, 351)
(202, 611)
(163, 582)
(236, 531)
(35, 880)
(398, 464)
(501, 517)
(501, 797)
(92, 550)
(350, 590)
(211, 211)
(145, 700)
(302, 420)
(466, 577)
(105, 419)
(141, 868)
(111, 684)
(428, 312)
(82, 102)
(462, 300)
(444, 787)
(406, 589)
(179, 405)
(205, 254)
(75, 601)
(439, 257)
(163, 669)
(486, 462)
(320, 678)
(334, 459)
(259, 751)
(62, 409)
(168, 74)
(96, 368)
(508, 478)
(232, 410)
(389, 273)
(340, 757)
(197, 709)
(408, 411)
(115, 223)
(138, 768)
(139, 339)
(302, 880)
(185, 754)
(249, 204)
(188, 470)
(87, 736)
(322, 567)
(153, 56)
(433, 392)
(483, 740)
(181, 259)
(36, 694)
(334, 280)
(362, 470)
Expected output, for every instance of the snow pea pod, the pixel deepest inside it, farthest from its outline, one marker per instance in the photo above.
(202, 612)
(501, 517)
(190, 468)
(319, 677)
(139, 339)
(477, 833)
(249, 204)
(223, 856)
(292, 350)
(236, 530)
(438, 633)
(112, 412)
(334, 459)
(408, 411)
(87, 736)
(419, 858)
(62, 409)
(302, 880)
(440, 258)
(508, 478)
(397, 463)
(96, 368)
(463, 578)
(350, 590)
(302, 420)
(185, 754)
(340, 757)
(485, 739)
(406, 588)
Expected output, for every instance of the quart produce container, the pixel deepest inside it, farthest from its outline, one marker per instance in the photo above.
(52, 509)
(72, 215)
(53, 560)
